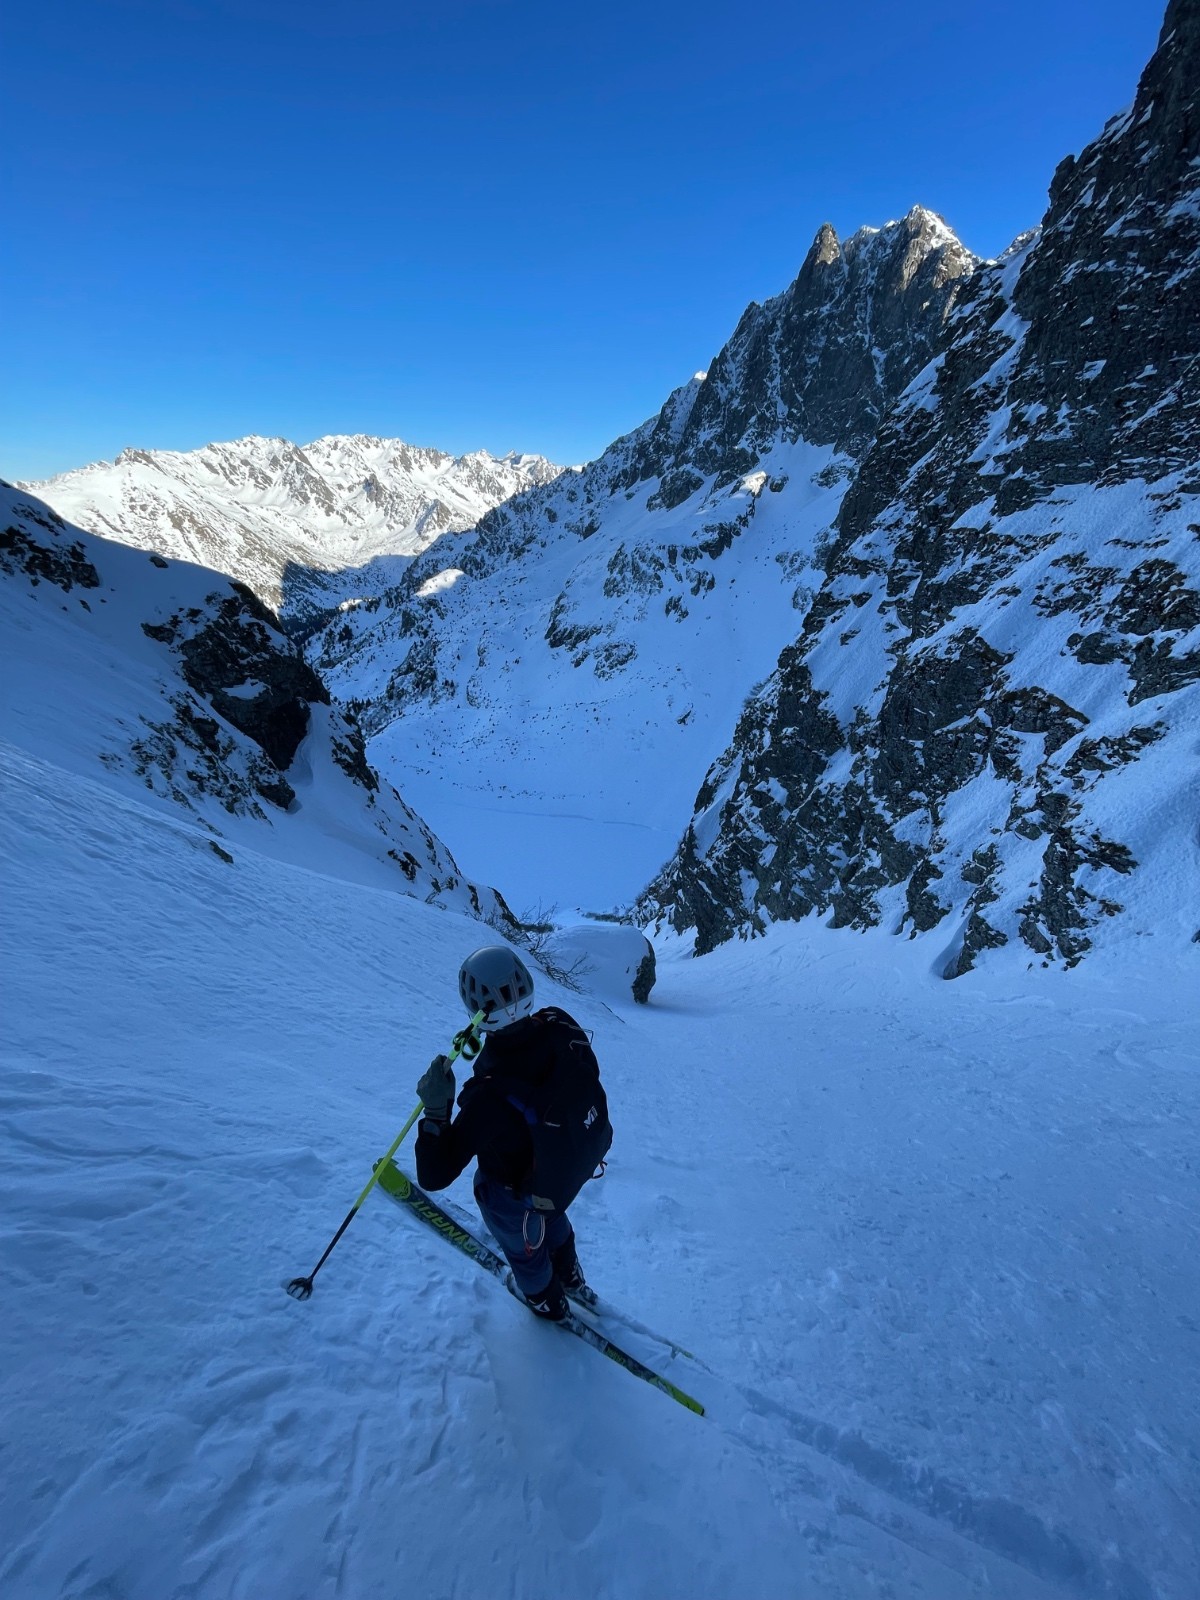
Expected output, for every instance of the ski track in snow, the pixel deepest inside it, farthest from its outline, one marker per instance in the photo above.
(934, 1246)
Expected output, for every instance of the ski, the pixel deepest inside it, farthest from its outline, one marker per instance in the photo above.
(596, 1307)
(608, 1313)
(400, 1188)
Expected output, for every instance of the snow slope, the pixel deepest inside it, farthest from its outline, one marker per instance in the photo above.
(308, 527)
(173, 682)
(538, 718)
(934, 1248)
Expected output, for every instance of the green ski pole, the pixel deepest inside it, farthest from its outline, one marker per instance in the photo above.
(467, 1044)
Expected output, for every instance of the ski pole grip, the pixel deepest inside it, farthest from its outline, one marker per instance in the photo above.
(468, 1043)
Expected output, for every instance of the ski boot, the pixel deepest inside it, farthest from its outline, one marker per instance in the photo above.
(569, 1273)
(550, 1304)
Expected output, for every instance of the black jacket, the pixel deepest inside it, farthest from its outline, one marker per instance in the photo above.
(515, 1059)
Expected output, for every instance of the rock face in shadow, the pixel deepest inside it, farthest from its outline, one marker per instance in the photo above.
(825, 360)
(57, 562)
(234, 654)
(999, 672)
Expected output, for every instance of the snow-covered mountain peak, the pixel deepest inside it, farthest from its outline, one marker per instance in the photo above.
(931, 223)
(892, 254)
(297, 523)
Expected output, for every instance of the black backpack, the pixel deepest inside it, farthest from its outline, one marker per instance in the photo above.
(567, 1114)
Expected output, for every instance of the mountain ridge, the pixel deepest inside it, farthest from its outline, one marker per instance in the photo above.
(580, 614)
(308, 527)
(1003, 750)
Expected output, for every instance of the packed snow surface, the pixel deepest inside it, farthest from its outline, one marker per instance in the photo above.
(933, 1246)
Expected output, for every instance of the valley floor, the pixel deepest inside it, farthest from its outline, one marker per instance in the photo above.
(564, 853)
(935, 1247)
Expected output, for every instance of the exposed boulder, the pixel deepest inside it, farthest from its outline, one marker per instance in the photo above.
(604, 958)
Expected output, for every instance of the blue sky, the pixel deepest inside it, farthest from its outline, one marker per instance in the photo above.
(476, 224)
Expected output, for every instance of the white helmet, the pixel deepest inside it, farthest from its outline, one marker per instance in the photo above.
(497, 981)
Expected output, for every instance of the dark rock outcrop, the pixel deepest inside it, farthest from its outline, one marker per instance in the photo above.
(60, 561)
(644, 977)
(826, 360)
(1020, 555)
(235, 655)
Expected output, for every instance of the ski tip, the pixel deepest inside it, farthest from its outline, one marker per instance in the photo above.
(687, 1401)
(392, 1179)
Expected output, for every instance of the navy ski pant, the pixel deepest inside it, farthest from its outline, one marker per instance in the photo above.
(527, 1237)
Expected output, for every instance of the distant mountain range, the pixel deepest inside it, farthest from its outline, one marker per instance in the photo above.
(306, 527)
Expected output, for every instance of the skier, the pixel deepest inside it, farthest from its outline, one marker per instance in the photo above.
(528, 1058)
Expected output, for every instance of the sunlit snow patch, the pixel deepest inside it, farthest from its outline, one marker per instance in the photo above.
(440, 580)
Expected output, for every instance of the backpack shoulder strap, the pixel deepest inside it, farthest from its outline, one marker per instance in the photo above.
(555, 1016)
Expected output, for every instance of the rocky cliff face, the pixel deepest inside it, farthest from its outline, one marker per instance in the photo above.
(825, 360)
(178, 686)
(821, 363)
(306, 527)
(581, 616)
(987, 723)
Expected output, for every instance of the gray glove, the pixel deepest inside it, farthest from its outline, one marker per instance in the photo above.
(436, 1089)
